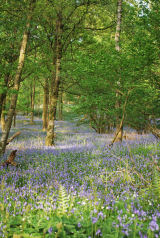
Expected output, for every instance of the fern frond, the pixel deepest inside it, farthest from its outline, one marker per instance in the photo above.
(63, 201)
(156, 184)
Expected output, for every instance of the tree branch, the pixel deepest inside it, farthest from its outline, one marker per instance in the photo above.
(12, 137)
(100, 29)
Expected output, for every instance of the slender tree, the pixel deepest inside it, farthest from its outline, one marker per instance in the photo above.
(118, 26)
(32, 100)
(60, 106)
(45, 104)
(119, 124)
(3, 114)
(17, 78)
(65, 25)
(56, 81)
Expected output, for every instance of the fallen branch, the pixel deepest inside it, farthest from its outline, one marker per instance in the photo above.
(12, 137)
(10, 159)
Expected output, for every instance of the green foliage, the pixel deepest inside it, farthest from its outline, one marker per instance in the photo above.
(156, 185)
(62, 200)
(91, 66)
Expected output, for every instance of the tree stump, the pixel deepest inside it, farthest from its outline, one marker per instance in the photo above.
(10, 160)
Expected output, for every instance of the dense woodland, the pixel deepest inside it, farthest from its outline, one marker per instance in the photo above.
(91, 68)
(98, 59)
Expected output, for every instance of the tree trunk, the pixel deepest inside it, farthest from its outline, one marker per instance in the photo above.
(154, 130)
(14, 119)
(3, 114)
(45, 105)
(32, 101)
(119, 126)
(122, 120)
(54, 93)
(118, 26)
(1, 103)
(119, 129)
(60, 106)
(3, 121)
(3, 95)
(16, 86)
(2, 99)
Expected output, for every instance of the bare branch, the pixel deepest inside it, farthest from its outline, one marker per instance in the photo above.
(100, 29)
(12, 137)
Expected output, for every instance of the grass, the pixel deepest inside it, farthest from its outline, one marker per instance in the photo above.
(80, 187)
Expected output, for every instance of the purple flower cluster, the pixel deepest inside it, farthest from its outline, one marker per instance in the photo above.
(92, 175)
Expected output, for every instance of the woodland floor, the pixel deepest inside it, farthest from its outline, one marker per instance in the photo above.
(80, 187)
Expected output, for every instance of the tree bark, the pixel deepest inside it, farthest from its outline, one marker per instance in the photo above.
(32, 101)
(1, 103)
(10, 160)
(3, 121)
(14, 119)
(3, 95)
(60, 106)
(2, 98)
(49, 141)
(16, 86)
(3, 114)
(122, 120)
(14, 136)
(119, 125)
(119, 129)
(45, 105)
(155, 131)
(118, 26)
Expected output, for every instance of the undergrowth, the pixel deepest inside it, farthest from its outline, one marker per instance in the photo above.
(102, 192)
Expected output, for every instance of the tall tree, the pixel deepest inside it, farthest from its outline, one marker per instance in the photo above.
(66, 21)
(60, 106)
(45, 104)
(119, 123)
(32, 100)
(54, 92)
(21, 59)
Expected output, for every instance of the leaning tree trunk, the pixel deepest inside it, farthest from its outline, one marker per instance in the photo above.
(49, 141)
(45, 105)
(16, 86)
(119, 125)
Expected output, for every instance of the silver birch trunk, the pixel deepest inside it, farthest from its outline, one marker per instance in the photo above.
(118, 26)
(119, 126)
